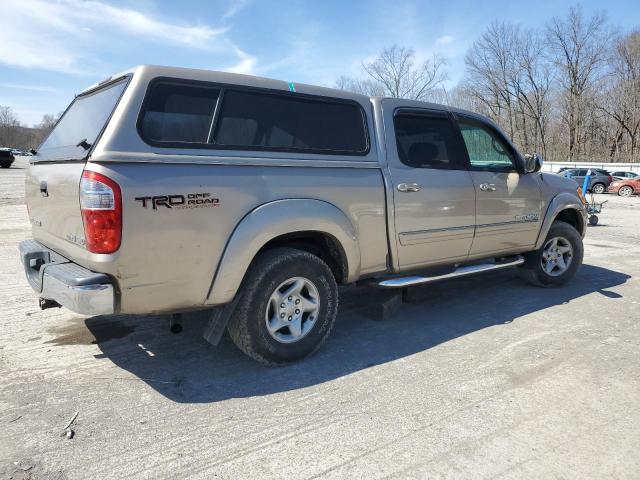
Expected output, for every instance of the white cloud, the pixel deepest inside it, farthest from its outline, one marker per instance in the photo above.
(246, 64)
(235, 7)
(445, 40)
(30, 88)
(54, 35)
(140, 24)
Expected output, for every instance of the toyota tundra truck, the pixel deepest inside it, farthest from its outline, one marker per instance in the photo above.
(169, 190)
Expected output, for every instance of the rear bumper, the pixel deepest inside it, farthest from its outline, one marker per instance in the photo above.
(56, 278)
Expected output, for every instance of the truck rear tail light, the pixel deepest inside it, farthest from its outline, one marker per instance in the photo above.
(101, 206)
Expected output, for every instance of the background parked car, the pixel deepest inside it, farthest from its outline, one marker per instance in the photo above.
(625, 187)
(598, 183)
(621, 175)
(6, 157)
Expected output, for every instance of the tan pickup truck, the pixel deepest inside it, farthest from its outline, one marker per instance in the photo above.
(168, 190)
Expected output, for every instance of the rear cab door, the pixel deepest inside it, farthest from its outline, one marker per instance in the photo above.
(433, 193)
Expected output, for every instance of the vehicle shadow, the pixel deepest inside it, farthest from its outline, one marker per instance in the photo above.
(184, 368)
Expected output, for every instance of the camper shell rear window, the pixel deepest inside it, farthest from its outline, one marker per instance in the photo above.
(82, 123)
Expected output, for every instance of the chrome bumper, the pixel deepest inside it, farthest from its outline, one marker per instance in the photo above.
(56, 278)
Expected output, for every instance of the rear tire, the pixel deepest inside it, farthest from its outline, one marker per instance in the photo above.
(559, 259)
(5, 164)
(599, 188)
(625, 191)
(283, 287)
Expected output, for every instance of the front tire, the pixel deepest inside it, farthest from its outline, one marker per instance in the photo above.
(598, 188)
(559, 259)
(5, 164)
(287, 307)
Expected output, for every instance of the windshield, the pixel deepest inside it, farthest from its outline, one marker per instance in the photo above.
(83, 120)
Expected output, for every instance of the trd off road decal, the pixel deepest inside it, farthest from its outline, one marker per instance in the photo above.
(190, 200)
(529, 217)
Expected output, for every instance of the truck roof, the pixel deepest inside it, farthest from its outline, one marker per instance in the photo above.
(151, 71)
(242, 79)
(147, 72)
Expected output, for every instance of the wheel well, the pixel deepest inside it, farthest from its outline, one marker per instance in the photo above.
(321, 244)
(572, 217)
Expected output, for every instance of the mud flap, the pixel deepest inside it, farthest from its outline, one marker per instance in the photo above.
(218, 321)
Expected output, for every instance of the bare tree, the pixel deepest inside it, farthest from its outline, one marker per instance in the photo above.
(532, 85)
(363, 87)
(394, 73)
(15, 135)
(508, 75)
(491, 68)
(569, 91)
(620, 100)
(9, 127)
(48, 122)
(577, 49)
(40, 131)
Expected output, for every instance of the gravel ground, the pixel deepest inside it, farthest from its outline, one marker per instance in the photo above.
(485, 378)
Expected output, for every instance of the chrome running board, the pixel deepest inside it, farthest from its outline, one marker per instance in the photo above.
(400, 282)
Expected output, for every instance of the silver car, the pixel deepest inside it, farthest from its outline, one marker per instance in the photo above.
(624, 175)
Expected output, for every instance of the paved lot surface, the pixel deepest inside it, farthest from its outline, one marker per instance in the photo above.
(486, 378)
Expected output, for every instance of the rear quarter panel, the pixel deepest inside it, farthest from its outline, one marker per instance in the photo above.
(169, 256)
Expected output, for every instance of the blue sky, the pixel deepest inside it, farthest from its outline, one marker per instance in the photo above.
(51, 49)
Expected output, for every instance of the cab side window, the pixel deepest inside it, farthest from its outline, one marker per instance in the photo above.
(486, 149)
(427, 141)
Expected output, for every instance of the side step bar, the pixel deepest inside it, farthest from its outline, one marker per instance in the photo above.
(400, 282)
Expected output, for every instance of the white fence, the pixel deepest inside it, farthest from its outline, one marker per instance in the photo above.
(611, 167)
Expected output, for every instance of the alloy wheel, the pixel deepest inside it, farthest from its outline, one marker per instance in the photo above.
(625, 191)
(557, 255)
(292, 310)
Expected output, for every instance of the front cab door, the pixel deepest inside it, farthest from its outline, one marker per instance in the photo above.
(508, 201)
(433, 193)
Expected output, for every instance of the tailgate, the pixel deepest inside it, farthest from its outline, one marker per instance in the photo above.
(53, 180)
(51, 191)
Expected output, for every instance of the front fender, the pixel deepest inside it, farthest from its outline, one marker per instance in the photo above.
(272, 220)
(560, 202)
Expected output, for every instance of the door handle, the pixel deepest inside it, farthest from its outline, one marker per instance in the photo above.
(488, 187)
(408, 187)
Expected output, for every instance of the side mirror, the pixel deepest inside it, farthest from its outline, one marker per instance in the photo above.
(532, 163)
